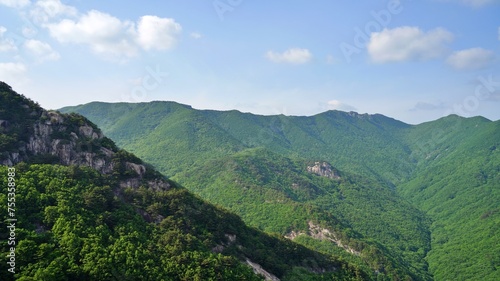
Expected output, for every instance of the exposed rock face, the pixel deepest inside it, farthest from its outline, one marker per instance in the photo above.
(231, 239)
(74, 150)
(66, 142)
(257, 269)
(316, 232)
(323, 169)
(294, 234)
(365, 116)
(158, 185)
(138, 169)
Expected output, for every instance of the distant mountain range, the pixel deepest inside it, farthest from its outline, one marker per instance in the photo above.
(399, 201)
(86, 209)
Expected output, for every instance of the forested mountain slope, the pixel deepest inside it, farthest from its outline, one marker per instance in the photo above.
(457, 183)
(366, 222)
(191, 146)
(448, 168)
(366, 144)
(87, 210)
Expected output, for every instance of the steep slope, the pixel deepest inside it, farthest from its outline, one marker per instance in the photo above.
(398, 247)
(105, 215)
(458, 186)
(362, 144)
(448, 168)
(293, 197)
(176, 132)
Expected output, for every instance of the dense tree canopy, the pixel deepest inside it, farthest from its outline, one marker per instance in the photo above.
(74, 225)
(447, 169)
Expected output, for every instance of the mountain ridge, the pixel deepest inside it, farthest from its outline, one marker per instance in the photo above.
(414, 161)
(350, 113)
(93, 211)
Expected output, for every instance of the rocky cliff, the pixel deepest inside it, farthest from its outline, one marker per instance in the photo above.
(323, 169)
(31, 134)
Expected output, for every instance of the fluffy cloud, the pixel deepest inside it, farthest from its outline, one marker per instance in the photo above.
(104, 33)
(6, 44)
(407, 43)
(44, 10)
(157, 33)
(474, 58)
(41, 51)
(293, 56)
(15, 3)
(338, 105)
(108, 35)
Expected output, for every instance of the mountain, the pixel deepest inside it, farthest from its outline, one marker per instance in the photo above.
(457, 183)
(423, 198)
(296, 198)
(196, 135)
(85, 209)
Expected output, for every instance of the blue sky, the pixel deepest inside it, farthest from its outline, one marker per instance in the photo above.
(411, 60)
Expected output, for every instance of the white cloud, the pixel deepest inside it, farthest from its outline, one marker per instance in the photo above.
(6, 44)
(408, 43)
(15, 3)
(294, 56)
(474, 58)
(195, 35)
(12, 71)
(157, 33)
(338, 105)
(104, 33)
(45, 10)
(108, 35)
(42, 51)
(29, 32)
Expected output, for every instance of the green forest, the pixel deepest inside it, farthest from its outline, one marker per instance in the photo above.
(423, 198)
(114, 217)
(74, 226)
(161, 191)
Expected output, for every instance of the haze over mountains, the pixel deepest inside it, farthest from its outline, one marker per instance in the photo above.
(412, 201)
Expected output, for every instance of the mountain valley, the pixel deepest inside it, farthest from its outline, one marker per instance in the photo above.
(225, 195)
(409, 197)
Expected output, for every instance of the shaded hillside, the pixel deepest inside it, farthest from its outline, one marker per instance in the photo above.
(73, 226)
(283, 197)
(105, 215)
(448, 168)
